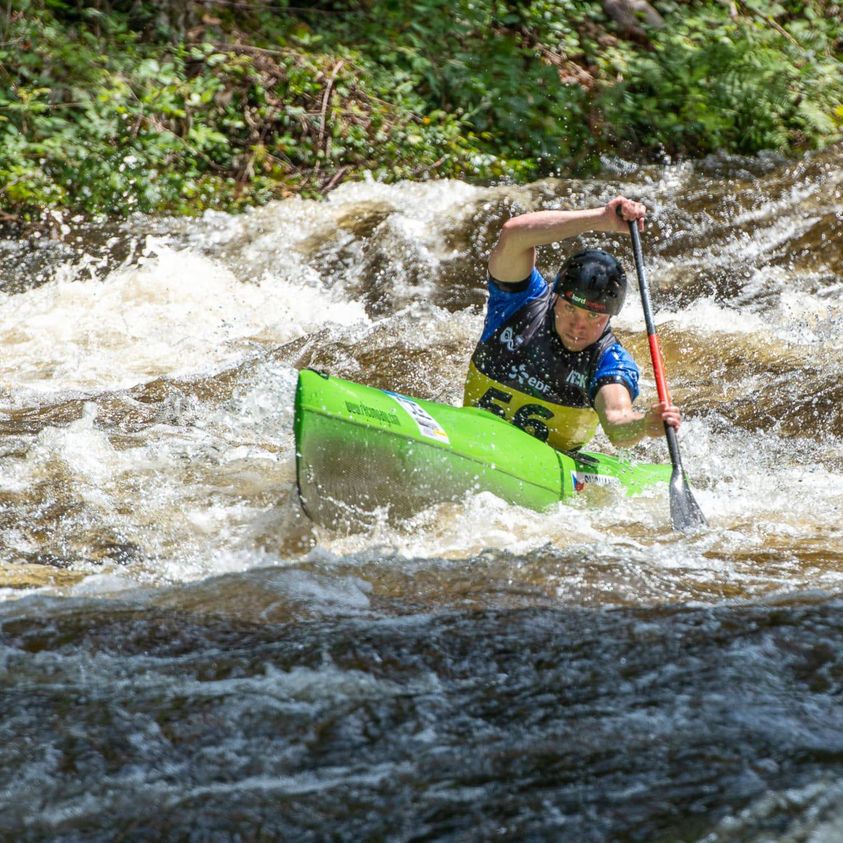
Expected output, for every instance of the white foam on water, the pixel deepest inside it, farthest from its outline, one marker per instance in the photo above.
(482, 522)
(259, 414)
(281, 239)
(759, 496)
(704, 315)
(177, 314)
(103, 585)
(196, 492)
(422, 200)
(414, 234)
(805, 319)
(184, 501)
(809, 813)
(797, 320)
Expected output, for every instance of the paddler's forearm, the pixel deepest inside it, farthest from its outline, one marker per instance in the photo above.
(540, 228)
(625, 426)
(624, 433)
(514, 254)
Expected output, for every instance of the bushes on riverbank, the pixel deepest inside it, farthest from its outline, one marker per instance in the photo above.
(147, 105)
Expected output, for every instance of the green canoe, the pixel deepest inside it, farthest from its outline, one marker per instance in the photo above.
(361, 449)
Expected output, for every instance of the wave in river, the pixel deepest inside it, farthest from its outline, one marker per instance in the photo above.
(183, 655)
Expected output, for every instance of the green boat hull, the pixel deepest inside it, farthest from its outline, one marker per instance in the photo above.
(361, 450)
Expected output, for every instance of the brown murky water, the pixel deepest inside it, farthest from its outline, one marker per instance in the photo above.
(183, 656)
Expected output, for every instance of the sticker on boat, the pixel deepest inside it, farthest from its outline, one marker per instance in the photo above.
(427, 425)
(581, 479)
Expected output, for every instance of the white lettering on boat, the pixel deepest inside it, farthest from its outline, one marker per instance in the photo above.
(427, 425)
(582, 478)
(372, 413)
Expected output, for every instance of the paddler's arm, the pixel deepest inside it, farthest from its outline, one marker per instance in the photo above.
(625, 426)
(514, 255)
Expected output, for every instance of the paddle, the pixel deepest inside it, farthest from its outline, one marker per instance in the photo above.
(685, 513)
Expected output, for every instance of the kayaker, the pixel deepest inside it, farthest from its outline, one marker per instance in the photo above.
(547, 359)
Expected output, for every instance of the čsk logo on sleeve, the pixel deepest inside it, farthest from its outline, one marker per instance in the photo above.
(576, 378)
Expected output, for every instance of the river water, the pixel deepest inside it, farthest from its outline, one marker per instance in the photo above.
(183, 656)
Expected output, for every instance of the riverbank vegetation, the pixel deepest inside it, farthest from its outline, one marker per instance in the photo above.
(143, 105)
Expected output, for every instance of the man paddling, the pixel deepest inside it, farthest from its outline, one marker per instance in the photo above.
(547, 359)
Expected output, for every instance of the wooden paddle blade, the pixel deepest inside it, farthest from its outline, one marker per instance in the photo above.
(685, 513)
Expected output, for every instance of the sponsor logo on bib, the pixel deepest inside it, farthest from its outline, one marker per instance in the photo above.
(510, 339)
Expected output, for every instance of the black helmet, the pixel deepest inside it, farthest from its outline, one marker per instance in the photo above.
(594, 280)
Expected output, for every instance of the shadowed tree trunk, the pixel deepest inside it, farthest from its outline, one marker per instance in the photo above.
(629, 15)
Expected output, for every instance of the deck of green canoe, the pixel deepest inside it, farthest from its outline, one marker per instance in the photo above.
(360, 449)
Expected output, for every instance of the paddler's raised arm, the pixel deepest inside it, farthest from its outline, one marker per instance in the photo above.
(514, 255)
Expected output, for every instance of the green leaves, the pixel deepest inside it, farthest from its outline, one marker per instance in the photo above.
(715, 83)
(162, 107)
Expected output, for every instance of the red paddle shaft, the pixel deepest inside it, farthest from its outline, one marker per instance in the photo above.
(655, 348)
(658, 367)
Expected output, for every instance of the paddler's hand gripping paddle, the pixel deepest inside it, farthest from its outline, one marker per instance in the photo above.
(685, 513)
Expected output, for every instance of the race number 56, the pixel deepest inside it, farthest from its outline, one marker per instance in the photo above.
(528, 417)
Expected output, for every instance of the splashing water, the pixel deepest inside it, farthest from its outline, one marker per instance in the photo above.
(176, 638)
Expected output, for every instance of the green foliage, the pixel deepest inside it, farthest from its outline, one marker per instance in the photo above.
(181, 106)
(712, 82)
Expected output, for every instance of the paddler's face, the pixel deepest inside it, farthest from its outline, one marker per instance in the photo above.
(577, 327)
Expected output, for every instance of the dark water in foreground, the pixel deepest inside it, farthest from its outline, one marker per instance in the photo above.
(721, 724)
(184, 657)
